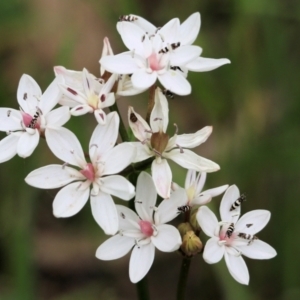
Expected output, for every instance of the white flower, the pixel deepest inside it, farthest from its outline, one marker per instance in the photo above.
(143, 232)
(124, 85)
(155, 142)
(163, 53)
(232, 238)
(192, 195)
(35, 118)
(88, 95)
(105, 161)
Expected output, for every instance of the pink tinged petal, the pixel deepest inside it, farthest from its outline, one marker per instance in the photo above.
(184, 54)
(70, 200)
(175, 82)
(138, 125)
(118, 186)
(190, 160)
(145, 198)
(53, 176)
(8, 147)
(168, 209)
(213, 252)
(120, 64)
(50, 97)
(80, 110)
(131, 35)
(105, 136)
(128, 219)
(58, 117)
(115, 247)
(105, 212)
(207, 221)
(74, 94)
(230, 196)
(140, 262)
(258, 250)
(194, 139)
(100, 116)
(118, 158)
(168, 238)
(237, 268)
(202, 64)
(27, 143)
(258, 218)
(65, 145)
(10, 119)
(159, 118)
(142, 151)
(189, 29)
(141, 79)
(162, 177)
(169, 32)
(28, 93)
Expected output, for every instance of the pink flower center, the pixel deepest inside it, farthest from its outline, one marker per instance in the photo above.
(146, 228)
(224, 235)
(153, 62)
(32, 122)
(88, 172)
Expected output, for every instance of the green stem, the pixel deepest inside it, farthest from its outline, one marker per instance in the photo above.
(184, 270)
(142, 289)
(137, 167)
(122, 128)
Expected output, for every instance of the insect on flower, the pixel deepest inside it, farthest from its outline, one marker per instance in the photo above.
(251, 238)
(238, 202)
(230, 230)
(183, 208)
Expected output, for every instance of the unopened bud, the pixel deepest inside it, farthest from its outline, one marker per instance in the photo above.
(193, 219)
(191, 244)
(184, 228)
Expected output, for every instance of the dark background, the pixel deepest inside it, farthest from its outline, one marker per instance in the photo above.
(253, 105)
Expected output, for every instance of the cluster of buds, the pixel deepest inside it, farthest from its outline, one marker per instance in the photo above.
(154, 53)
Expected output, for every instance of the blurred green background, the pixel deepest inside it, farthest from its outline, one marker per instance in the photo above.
(253, 105)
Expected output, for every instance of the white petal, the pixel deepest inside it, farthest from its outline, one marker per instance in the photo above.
(169, 32)
(119, 186)
(237, 268)
(65, 145)
(58, 117)
(194, 139)
(120, 64)
(118, 158)
(168, 208)
(168, 238)
(140, 262)
(175, 82)
(10, 119)
(70, 200)
(207, 221)
(28, 93)
(184, 54)
(105, 212)
(216, 191)
(8, 147)
(105, 136)
(190, 178)
(75, 95)
(142, 79)
(144, 24)
(27, 143)
(53, 176)
(142, 151)
(128, 219)
(190, 160)
(213, 252)
(138, 125)
(258, 250)
(145, 198)
(109, 100)
(100, 116)
(230, 196)
(162, 177)
(189, 29)
(159, 118)
(50, 97)
(258, 218)
(80, 110)
(115, 247)
(202, 64)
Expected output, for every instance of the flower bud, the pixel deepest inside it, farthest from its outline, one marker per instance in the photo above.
(191, 244)
(193, 219)
(184, 228)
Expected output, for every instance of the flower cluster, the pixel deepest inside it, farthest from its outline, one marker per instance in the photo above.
(154, 53)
